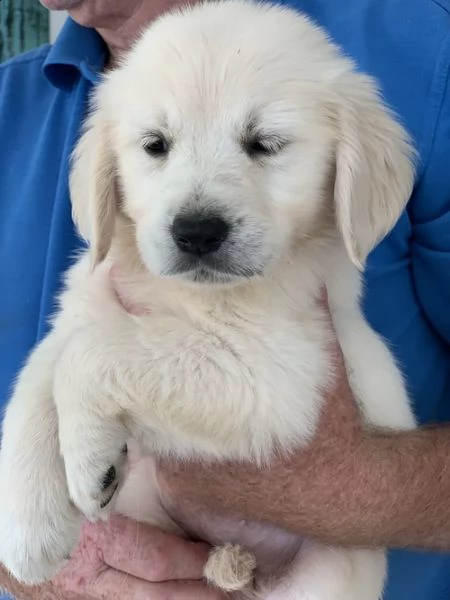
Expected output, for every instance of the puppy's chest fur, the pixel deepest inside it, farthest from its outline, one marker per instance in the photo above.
(260, 352)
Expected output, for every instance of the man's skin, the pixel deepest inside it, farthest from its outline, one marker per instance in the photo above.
(125, 560)
(351, 486)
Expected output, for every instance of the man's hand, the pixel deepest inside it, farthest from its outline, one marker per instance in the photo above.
(124, 559)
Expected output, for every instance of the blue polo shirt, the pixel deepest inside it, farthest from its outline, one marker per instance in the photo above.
(406, 45)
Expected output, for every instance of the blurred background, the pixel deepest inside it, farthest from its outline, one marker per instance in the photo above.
(25, 24)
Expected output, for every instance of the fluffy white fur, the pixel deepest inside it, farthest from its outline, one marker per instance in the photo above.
(232, 366)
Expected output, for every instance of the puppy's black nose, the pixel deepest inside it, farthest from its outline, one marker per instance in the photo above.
(199, 235)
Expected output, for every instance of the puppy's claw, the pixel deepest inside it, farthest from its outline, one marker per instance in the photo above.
(107, 500)
(109, 478)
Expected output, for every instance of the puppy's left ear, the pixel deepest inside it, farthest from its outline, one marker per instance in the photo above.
(374, 166)
(93, 184)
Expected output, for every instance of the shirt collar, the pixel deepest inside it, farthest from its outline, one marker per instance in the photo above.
(76, 51)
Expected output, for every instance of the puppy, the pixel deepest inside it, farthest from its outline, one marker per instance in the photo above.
(233, 165)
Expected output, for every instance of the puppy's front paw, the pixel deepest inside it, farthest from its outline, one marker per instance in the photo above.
(95, 467)
(39, 528)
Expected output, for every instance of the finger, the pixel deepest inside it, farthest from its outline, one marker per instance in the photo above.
(149, 553)
(116, 586)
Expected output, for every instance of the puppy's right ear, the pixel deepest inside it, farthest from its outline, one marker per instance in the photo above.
(93, 186)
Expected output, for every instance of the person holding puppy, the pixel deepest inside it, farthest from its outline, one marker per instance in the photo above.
(351, 486)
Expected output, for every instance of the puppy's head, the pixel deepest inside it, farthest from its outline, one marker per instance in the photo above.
(220, 132)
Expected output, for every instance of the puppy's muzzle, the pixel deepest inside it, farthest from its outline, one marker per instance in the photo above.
(199, 235)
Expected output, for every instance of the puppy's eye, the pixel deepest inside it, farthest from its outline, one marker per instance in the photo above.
(258, 146)
(155, 145)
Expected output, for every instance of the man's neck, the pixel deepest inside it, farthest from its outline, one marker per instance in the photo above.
(120, 27)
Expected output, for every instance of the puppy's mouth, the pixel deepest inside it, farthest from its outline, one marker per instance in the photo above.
(211, 270)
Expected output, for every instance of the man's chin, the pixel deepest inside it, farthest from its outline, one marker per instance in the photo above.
(60, 4)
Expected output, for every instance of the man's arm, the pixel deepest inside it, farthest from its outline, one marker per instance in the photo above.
(352, 487)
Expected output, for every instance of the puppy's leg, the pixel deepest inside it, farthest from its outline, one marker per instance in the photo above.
(129, 379)
(375, 379)
(39, 525)
(116, 382)
(325, 573)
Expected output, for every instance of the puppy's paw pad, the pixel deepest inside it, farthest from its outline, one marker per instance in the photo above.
(230, 567)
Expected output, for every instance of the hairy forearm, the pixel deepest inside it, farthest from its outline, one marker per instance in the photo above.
(397, 494)
(382, 489)
(395, 491)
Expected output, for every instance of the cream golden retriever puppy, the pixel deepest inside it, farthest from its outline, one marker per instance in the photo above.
(232, 165)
